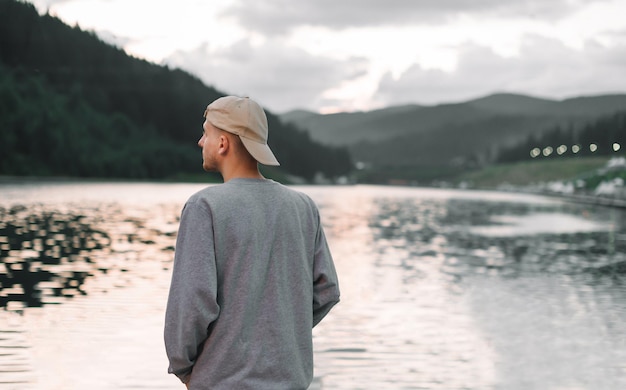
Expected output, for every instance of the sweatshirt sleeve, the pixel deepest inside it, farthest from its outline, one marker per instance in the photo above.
(325, 281)
(192, 303)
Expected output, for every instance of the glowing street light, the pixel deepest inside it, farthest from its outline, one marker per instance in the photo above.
(593, 147)
(561, 149)
(547, 151)
(616, 147)
(575, 149)
(535, 152)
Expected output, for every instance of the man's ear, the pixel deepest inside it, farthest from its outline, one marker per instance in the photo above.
(223, 145)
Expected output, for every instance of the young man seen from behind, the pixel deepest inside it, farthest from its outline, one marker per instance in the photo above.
(252, 273)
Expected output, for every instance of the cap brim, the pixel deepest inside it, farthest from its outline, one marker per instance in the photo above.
(261, 152)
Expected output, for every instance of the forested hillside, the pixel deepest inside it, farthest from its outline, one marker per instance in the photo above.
(73, 105)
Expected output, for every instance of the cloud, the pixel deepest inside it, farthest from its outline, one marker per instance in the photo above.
(544, 67)
(278, 76)
(332, 55)
(280, 16)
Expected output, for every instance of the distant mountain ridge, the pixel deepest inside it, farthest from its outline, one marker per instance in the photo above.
(448, 134)
(598, 105)
(354, 127)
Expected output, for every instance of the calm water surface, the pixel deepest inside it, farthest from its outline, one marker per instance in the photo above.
(441, 289)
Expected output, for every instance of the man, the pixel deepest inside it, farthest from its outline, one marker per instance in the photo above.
(252, 271)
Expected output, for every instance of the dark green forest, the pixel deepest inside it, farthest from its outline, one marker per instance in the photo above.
(603, 133)
(72, 105)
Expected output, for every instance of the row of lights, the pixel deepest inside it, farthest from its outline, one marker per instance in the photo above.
(548, 150)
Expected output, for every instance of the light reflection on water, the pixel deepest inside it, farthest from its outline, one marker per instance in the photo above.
(440, 289)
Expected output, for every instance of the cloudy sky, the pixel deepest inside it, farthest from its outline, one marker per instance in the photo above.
(347, 55)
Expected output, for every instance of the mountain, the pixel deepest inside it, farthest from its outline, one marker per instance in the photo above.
(296, 116)
(593, 106)
(73, 105)
(351, 128)
(509, 103)
(451, 135)
(345, 128)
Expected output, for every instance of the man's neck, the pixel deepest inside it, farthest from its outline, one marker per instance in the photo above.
(241, 172)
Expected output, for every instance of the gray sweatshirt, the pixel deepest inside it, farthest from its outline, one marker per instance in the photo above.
(252, 276)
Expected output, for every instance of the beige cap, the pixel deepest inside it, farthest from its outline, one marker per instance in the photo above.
(244, 117)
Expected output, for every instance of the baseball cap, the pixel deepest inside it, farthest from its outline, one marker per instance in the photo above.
(244, 117)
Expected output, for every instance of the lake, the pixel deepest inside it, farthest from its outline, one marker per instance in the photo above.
(441, 289)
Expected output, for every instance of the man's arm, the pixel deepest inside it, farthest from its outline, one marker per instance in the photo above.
(192, 304)
(325, 281)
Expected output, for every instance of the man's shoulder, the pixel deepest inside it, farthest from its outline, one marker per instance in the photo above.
(301, 199)
(205, 196)
(290, 191)
(204, 192)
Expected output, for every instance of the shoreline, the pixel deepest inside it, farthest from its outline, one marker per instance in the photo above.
(596, 200)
